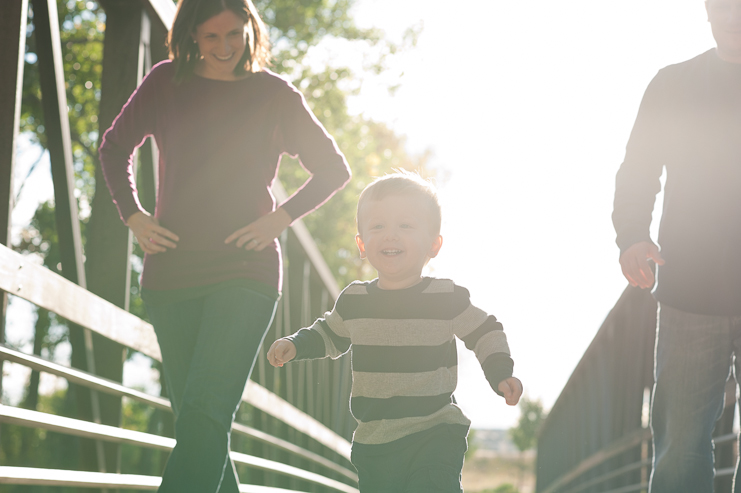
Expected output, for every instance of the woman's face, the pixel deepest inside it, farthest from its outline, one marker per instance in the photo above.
(221, 40)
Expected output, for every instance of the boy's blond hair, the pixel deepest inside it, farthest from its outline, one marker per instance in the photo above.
(403, 182)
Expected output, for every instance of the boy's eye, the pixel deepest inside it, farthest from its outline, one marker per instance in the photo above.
(406, 226)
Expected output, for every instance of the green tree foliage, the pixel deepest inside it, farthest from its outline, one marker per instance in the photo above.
(532, 416)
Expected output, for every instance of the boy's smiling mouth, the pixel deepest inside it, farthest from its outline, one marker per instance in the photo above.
(391, 252)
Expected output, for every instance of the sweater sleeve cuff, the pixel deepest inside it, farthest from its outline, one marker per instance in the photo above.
(129, 208)
(309, 344)
(497, 367)
(627, 239)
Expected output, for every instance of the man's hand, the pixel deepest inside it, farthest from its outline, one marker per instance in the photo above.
(512, 390)
(261, 233)
(281, 351)
(152, 237)
(635, 265)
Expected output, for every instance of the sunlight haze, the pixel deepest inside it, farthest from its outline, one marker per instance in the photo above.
(527, 107)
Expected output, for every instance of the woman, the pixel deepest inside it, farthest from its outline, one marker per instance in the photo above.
(212, 269)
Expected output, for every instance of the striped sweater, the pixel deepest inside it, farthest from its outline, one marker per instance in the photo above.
(404, 360)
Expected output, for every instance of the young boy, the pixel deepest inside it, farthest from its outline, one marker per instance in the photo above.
(401, 328)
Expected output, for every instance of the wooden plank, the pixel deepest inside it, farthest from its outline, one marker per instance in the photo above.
(292, 448)
(266, 401)
(86, 429)
(57, 477)
(624, 444)
(630, 489)
(78, 479)
(273, 466)
(103, 385)
(21, 277)
(44, 288)
(612, 474)
(100, 384)
(82, 378)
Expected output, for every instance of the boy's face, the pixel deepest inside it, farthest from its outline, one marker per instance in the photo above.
(396, 237)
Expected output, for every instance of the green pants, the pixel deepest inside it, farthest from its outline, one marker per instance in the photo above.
(427, 462)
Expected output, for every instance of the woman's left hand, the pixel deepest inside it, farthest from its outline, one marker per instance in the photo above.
(262, 232)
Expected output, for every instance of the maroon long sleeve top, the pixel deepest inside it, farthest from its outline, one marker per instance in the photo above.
(220, 144)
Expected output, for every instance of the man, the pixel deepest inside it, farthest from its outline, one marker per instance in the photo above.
(689, 123)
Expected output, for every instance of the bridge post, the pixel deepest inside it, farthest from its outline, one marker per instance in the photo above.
(56, 124)
(59, 145)
(13, 38)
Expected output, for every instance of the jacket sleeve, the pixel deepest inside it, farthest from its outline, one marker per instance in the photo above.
(638, 179)
(484, 335)
(128, 131)
(302, 135)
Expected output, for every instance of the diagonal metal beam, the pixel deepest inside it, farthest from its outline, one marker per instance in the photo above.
(163, 10)
(59, 144)
(13, 37)
(56, 124)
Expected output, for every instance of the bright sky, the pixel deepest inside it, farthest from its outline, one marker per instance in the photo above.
(527, 105)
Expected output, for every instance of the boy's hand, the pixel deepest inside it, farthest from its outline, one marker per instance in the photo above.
(512, 390)
(282, 351)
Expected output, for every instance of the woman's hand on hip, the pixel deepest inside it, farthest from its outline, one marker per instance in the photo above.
(262, 232)
(152, 237)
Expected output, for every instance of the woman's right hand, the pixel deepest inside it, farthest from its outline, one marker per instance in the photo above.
(282, 351)
(152, 237)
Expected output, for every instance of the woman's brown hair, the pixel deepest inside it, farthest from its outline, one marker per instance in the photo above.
(192, 13)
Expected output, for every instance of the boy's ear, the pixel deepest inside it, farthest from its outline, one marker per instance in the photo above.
(361, 245)
(437, 244)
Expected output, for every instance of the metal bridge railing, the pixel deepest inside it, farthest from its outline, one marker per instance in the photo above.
(596, 438)
(329, 465)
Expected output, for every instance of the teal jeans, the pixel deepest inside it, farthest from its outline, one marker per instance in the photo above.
(209, 346)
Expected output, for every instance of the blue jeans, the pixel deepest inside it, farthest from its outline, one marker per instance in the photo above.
(693, 359)
(209, 346)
